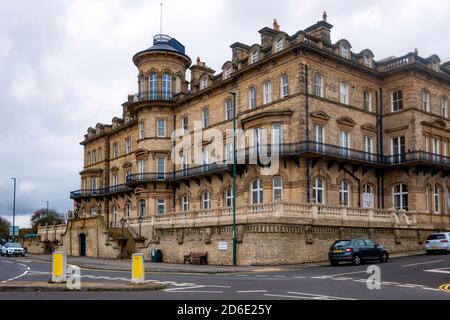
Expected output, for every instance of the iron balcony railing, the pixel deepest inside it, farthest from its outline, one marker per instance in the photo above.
(417, 156)
(151, 96)
(246, 155)
(179, 175)
(100, 192)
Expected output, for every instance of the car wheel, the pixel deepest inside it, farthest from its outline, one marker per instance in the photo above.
(357, 260)
(334, 263)
(429, 252)
(384, 257)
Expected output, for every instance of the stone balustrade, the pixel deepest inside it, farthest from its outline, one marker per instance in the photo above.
(51, 232)
(296, 212)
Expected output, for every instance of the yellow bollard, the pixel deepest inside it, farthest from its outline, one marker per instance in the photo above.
(59, 267)
(138, 269)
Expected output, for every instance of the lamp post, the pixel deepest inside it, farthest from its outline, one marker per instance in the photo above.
(14, 209)
(234, 178)
(122, 240)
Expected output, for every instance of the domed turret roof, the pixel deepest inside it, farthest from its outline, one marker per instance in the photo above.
(165, 43)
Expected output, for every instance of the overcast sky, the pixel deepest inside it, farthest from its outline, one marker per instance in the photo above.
(66, 65)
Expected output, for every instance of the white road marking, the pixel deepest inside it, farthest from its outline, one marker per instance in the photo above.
(9, 262)
(421, 263)
(182, 289)
(252, 291)
(390, 283)
(282, 277)
(15, 278)
(299, 277)
(262, 276)
(319, 295)
(292, 297)
(441, 270)
(343, 274)
(22, 265)
(201, 291)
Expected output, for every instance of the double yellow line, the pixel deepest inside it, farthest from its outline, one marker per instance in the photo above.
(445, 288)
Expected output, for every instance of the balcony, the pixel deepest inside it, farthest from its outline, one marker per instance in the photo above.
(156, 96)
(88, 193)
(418, 158)
(207, 169)
(312, 149)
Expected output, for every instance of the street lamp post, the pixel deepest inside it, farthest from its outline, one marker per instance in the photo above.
(14, 210)
(122, 240)
(234, 178)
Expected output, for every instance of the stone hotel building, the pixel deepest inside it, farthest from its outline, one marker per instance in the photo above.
(363, 152)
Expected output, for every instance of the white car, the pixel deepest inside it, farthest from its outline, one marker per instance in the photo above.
(12, 248)
(438, 242)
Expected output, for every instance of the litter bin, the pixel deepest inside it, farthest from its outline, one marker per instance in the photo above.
(157, 256)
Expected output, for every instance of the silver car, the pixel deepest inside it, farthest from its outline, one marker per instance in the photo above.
(12, 249)
(438, 242)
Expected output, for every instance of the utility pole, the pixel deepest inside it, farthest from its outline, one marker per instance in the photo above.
(14, 210)
(234, 178)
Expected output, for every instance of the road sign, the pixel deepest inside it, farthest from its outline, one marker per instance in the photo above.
(223, 246)
(14, 233)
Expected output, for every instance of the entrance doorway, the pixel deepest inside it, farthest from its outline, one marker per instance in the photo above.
(82, 245)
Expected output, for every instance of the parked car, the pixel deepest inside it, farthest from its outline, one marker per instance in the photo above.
(357, 251)
(438, 242)
(12, 248)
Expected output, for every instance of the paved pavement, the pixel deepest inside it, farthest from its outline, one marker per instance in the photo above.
(408, 278)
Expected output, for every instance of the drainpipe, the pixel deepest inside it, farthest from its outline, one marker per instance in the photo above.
(308, 161)
(174, 166)
(359, 185)
(380, 148)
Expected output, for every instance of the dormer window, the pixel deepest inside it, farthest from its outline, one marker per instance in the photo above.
(227, 72)
(279, 45)
(368, 61)
(344, 51)
(204, 82)
(435, 66)
(255, 56)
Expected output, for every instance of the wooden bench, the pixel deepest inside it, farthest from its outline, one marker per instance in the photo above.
(196, 258)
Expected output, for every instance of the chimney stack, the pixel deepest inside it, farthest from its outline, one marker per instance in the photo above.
(276, 26)
(325, 16)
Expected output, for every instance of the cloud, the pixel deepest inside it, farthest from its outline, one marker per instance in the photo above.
(66, 65)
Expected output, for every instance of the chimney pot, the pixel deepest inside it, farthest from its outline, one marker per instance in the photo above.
(325, 16)
(276, 26)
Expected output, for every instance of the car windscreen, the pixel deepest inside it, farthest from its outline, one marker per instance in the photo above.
(14, 245)
(436, 237)
(342, 243)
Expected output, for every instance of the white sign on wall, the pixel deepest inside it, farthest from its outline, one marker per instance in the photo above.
(223, 246)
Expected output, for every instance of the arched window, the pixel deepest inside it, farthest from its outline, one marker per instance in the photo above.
(153, 86)
(444, 107)
(277, 189)
(368, 196)
(284, 86)
(229, 197)
(319, 191)
(205, 117)
(437, 199)
(257, 192)
(185, 203)
(400, 197)
(267, 92)
(141, 208)
(279, 45)
(228, 109)
(425, 100)
(142, 86)
(206, 200)
(344, 194)
(166, 86)
(252, 98)
(128, 209)
(318, 85)
(114, 219)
